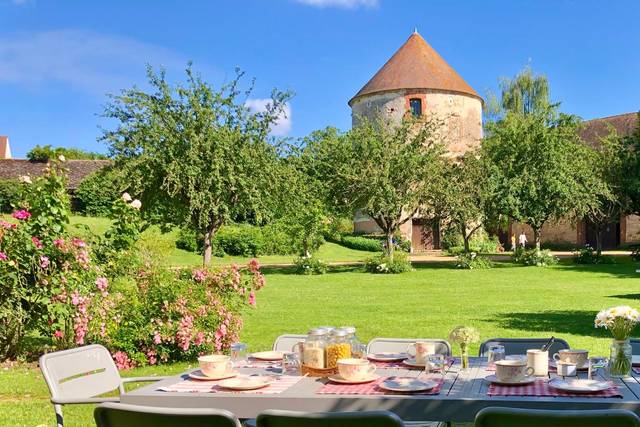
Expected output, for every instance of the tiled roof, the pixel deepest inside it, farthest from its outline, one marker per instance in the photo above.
(416, 65)
(592, 131)
(78, 169)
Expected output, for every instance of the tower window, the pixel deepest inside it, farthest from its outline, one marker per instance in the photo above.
(415, 104)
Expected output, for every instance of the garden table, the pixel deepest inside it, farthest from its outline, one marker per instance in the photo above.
(463, 394)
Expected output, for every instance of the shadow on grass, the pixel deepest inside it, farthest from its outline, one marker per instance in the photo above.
(576, 322)
(623, 268)
(626, 296)
(332, 269)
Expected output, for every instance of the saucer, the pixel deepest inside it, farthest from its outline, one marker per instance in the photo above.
(387, 357)
(339, 379)
(412, 362)
(245, 383)
(579, 386)
(200, 376)
(407, 384)
(552, 363)
(268, 355)
(526, 380)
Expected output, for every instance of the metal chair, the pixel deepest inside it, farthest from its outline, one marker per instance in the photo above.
(287, 341)
(509, 417)
(76, 376)
(275, 418)
(521, 345)
(635, 345)
(121, 415)
(398, 345)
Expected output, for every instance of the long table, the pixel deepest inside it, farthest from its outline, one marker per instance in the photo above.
(464, 394)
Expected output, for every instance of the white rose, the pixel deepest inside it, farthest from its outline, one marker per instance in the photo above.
(26, 179)
(126, 197)
(62, 158)
(136, 204)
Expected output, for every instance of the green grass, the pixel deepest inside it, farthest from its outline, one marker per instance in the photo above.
(507, 301)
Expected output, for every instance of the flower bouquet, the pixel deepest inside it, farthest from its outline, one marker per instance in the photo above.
(620, 321)
(464, 335)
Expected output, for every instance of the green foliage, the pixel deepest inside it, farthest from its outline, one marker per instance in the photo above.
(631, 145)
(337, 227)
(196, 155)
(47, 152)
(534, 257)
(309, 264)
(188, 240)
(361, 243)
(383, 264)
(96, 193)
(481, 244)
(526, 93)
(635, 253)
(588, 255)
(9, 194)
(472, 261)
(240, 240)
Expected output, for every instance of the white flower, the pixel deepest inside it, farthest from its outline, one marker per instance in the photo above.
(26, 179)
(126, 197)
(136, 204)
(62, 158)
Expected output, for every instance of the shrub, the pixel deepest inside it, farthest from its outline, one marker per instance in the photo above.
(451, 238)
(473, 261)
(338, 227)
(96, 193)
(276, 240)
(536, 257)
(361, 243)
(588, 255)
(9, 194)
(188, 240)
(309, 264)
(240, 240)
(635, 253)
(381, 264)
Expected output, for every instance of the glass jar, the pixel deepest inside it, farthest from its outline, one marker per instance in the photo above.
(238, 352)
(620, 360)
(314, 349)
(338, 348)
(352, 338)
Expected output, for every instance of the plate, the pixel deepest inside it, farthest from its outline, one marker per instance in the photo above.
(407, 384)
(552, 363)
(268, 355)
(494, 379)
(245, 383)
(579, 386)
(200, 376)
(412, 362)
(387, 357)
(338, 379)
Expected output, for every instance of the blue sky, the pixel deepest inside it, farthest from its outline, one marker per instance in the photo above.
(59, 58)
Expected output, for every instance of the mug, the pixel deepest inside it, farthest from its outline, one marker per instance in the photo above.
(422, 350)
(215, 365)
(539, 361)
(579, 357)
(512, 371)
(355, 369)
(566, 369)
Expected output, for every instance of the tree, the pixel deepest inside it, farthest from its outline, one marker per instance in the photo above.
(381, 169)
(196, 155)
(540, 169)
(526, 93)
(631, 149)
(46, 152)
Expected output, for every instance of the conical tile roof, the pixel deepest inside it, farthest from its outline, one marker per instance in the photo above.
(416, 65)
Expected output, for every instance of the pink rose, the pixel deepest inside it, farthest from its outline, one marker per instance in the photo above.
(58, 334)
(58, 243)
(79, 243)
(3, 256)
(157, 339)
(252, 298)
(199, 275)
(37, 242)
(21, 214)
(102, 283)
(44, 261)
(7, 225)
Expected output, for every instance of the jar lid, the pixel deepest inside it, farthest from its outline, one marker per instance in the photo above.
(326, 328)
(349, 329)
(317, 332)
(339, 333)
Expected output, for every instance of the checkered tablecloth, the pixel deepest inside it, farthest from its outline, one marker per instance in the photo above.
(372, 388)
(541, 387)
(280, 384)
(391, 365)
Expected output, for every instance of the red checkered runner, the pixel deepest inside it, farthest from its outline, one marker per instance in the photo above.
(279, 385)
(541, 387)
(373, 388)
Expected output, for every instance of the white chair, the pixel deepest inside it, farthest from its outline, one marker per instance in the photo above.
(121, 415)
(521, 345)
(399, 345)
(78, 375)
(287, 341)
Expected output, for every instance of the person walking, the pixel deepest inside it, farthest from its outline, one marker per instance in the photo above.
(513, 243)
(522, 240)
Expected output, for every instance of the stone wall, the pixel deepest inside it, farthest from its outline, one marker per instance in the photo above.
(562, 232)
(631, 233)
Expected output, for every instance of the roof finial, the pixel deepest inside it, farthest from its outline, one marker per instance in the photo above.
(415, 30)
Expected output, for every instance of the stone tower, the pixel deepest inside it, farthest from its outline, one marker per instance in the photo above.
(417, 80)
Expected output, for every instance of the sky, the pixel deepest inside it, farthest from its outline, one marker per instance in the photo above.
(59, 58)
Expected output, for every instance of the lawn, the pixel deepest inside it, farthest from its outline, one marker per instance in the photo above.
(506, 301)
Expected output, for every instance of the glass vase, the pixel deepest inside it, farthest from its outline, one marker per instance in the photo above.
(464, 356)
(620, 359)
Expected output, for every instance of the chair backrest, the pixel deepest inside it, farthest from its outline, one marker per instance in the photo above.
(507, 417)
(398, 345)
(121, 415)
(80, 372)
(635, 345)
(286, 342)
(521, 345)
(275, 418)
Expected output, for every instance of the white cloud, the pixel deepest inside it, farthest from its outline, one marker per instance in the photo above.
(90, 61)
(282, 126)
(347, 4)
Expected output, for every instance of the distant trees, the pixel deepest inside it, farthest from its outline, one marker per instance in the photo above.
(46, 152)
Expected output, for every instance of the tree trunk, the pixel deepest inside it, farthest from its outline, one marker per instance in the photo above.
(598, 241)
(390, 245)
(465, 237)
(536, 237)
(208, 239)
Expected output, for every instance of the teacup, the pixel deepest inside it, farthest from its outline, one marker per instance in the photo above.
(215, 365)
(539, 361)
(566, 369)
(579, 357)
(512, 371)
(355, 369)
(422, 350)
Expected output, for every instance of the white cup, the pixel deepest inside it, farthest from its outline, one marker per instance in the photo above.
(422, 350)
(215, 365)
(355, 369)
(579, 357)
(539, 361)
(566, 369)
(511, 371)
